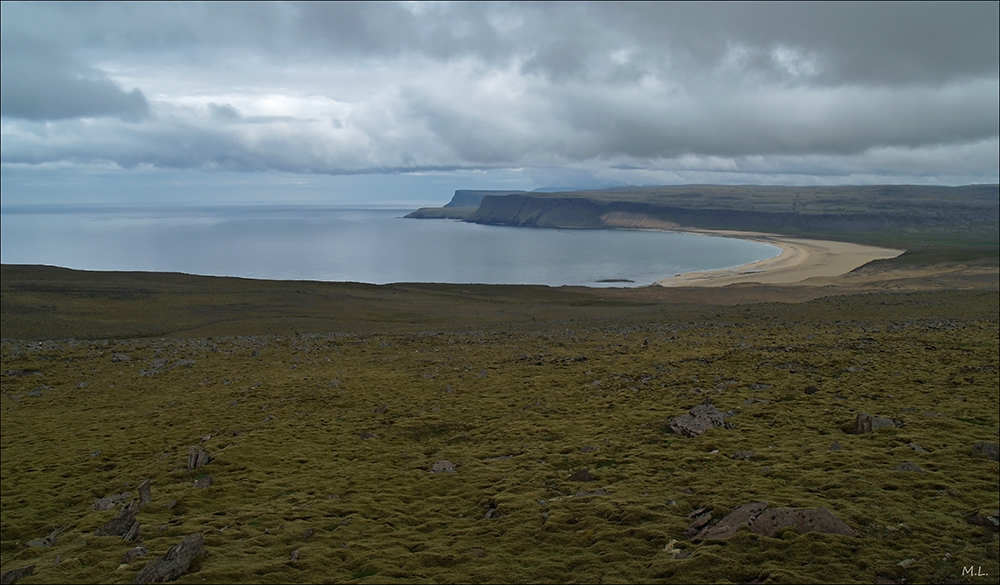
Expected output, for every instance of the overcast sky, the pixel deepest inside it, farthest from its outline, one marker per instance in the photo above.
(409, 101)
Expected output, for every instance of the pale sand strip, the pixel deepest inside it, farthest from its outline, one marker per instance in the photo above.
(798, 261)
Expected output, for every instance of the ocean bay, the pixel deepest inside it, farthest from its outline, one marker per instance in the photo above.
(379, 246)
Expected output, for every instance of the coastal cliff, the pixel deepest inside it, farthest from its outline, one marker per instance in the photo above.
(878, 211)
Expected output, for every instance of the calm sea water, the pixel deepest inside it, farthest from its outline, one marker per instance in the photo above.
(362, 245)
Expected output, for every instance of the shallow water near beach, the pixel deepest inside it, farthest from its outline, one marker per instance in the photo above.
(362, 245)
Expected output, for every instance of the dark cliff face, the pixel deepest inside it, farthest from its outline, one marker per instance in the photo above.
(967, 209)
(472, 198)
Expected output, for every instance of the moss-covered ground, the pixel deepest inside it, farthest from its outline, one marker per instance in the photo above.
(517, 406)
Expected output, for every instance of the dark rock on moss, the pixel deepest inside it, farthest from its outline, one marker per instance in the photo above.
(866, 423)
(581, 475)
(739, 516)
(197, 457)
(443, 466)
(811, 389)
(46, 541)
(11, 577)
(175, 563)
(986, 450)
(381, 409)
(991, 521)
(836, 446)
(909, 466)
(768, 522)
(136, 552)
(820, 519)
(368, 435)
(699, 419)
(145, 492)
(122, 524)
(204, 482)
(743, 455)
(918, 448)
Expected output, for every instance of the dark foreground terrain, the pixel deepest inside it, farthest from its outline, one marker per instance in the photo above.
(331, 432)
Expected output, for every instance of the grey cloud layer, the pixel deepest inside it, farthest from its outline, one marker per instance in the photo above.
(371, 87)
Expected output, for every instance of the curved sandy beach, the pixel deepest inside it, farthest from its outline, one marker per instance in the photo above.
(799, 261)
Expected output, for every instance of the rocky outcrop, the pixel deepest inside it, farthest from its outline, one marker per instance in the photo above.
(472, 198)
(175, 563)
(866, 423)
(700, 419)
(766, 521)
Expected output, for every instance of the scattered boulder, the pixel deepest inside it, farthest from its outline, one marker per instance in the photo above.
(294, 556)
(443, 466)
(145, 492)
(743, 455)
(175, 563)
(811, 390)
(909, 466)
(308, 533)
(46, 541)
(765, 521)
(368, 435)
(820, 519)
(136, 552)
(581, 475)
(700, 419)
(918, 448)
(866, 423)
(124, 524)
(584, 493)
(739, 516)
(836, 446)
(11, 577)
(986, 450)
(991, 521)
(120, 357)
(197, 457)
(381, 409)
(204, 482)
(588, 449)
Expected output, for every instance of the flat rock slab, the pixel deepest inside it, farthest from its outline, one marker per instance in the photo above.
(10, 577)
(986, 450)
(820, 519)
(175, 563)
(698, 420)
(739, 516)
(443, 466)
(768, 521)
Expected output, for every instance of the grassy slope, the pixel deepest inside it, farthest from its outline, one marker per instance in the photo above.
(511, 400)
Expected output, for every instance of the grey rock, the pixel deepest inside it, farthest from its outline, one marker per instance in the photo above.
(918, 448)
(10, 577)
(122, 524)
(120, 357)
(739, 516)
(136, 552)
(909, 466)
(836, 446)
(145, 492)
(46, 541)
(699, 419)
(991, 521)
(581, 475)
(294, 556)
(770, 521)
(204, 482)
(986, 450)
(174, 563)
(368, 435)
(866, 423)
(443, 466)
(381, 410)
(743, 455)
(197, 457)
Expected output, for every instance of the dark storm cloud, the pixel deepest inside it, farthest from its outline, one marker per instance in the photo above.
(369, 87)
(38, 82)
